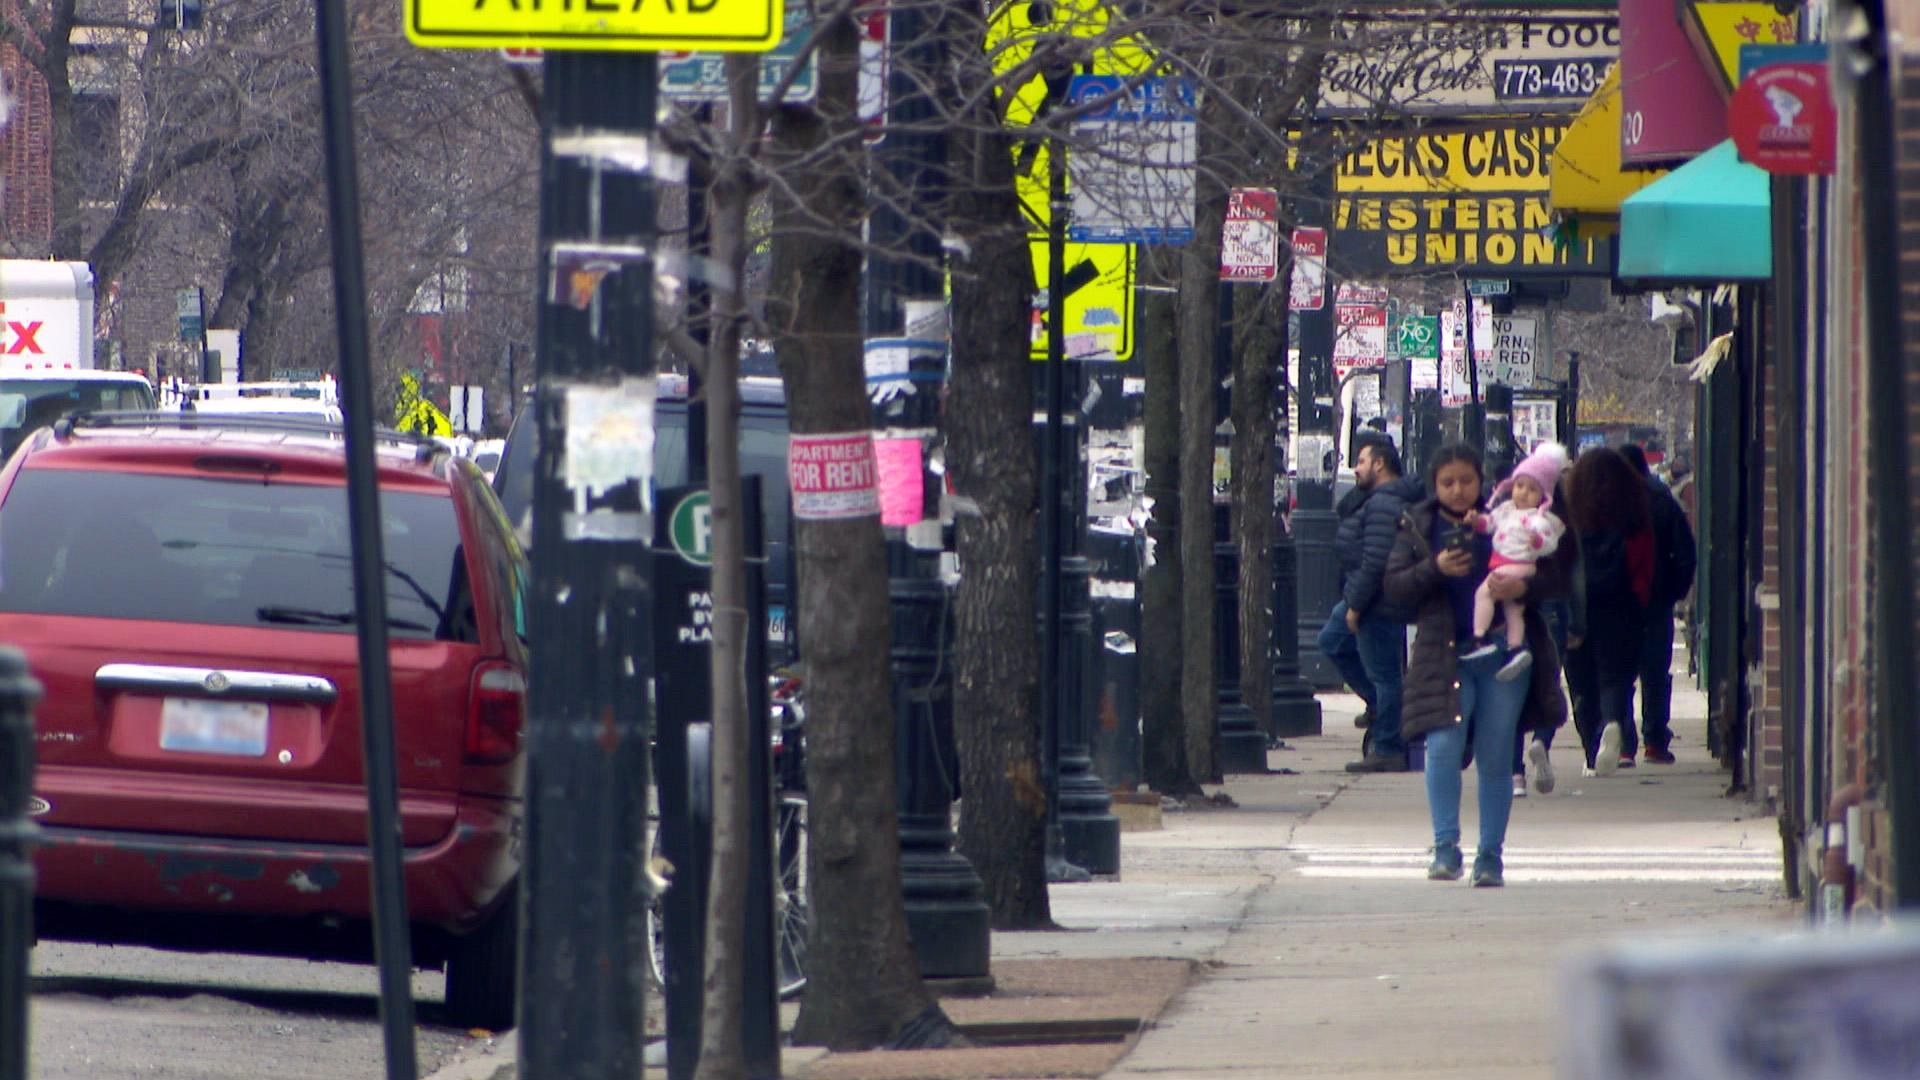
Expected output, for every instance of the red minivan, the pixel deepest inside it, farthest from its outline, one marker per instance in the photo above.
(182, 588)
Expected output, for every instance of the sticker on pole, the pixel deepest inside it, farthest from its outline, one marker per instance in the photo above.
(833, 476)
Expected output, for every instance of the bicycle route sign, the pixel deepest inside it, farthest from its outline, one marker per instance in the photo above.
(1419, 337)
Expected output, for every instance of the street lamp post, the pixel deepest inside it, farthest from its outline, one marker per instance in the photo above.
(1314, 522)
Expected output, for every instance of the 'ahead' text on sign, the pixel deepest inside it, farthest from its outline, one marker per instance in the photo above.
(597, 25)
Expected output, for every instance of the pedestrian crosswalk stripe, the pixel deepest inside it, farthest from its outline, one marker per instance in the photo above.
(1721, 865)
(1527, 873)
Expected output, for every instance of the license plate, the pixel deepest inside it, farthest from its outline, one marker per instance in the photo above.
(200, 726)
(777, 623)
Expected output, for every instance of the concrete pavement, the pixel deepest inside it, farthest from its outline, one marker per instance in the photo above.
(1318, 947)
(1348, 961)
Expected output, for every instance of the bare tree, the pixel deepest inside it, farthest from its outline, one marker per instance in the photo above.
(996, 687)
(732, 192)
(863, 988)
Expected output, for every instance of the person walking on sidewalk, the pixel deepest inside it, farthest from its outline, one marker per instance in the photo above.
(1337, 641)
(1611, 515)
(1460, 705)
(1674, 560)
(1381, 637)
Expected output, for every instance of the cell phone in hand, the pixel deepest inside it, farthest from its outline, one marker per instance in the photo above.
(1458, 540)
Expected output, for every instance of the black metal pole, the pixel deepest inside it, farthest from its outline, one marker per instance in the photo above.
(947, 913)
(1243, 746)
(583, 882)
(391, 946)
(18, 692)
(1573, 404)
(1474, 428)
(1052, 511)
(699, 301)
(1313, 517)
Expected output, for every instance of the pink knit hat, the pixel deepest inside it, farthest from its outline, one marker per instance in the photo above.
(1543, 467)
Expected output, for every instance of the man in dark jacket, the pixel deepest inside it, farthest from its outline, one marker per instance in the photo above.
(1365, 541)
(1674, 560)
(1336, 642)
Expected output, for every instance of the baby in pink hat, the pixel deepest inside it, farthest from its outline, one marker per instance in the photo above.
(1524, 531)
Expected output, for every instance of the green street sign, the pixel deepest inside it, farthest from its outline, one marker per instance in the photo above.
(1419, 337)
(691, 529)
(1489, 287)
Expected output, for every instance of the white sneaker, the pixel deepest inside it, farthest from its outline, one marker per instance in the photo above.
(1607, 758)
(1515, 667)
(1539, 769)
(1587, 771)
(1519, 785)
(1485, 650)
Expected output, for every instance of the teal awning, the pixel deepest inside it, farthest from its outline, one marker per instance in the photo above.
(1707, 221)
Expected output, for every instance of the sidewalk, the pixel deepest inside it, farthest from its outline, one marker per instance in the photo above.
(1309, 941)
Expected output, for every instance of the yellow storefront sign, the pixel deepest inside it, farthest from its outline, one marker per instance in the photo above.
(597, 25)
(1502, 159)
(1718, 29)
(1099, 321)
(1453, 202)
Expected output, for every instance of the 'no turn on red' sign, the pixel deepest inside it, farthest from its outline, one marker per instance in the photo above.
(833, 476)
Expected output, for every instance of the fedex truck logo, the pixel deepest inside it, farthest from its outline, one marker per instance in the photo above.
(19, 337)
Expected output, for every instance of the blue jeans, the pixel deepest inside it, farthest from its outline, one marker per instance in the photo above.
(1656, 683)
(1490, 716)
(1371, 662)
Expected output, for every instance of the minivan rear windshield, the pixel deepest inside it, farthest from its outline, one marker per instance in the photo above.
(236, 552)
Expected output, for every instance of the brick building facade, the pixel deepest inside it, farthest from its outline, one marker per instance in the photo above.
(26, 154)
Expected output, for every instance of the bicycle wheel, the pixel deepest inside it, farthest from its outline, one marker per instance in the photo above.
(790, 910)
(656, 925)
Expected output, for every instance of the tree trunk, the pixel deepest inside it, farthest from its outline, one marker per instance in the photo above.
(1163, 731)
(988, 417)
(863, 983)
(1199, 322)
(69, 230)
(1255, 354)
(722, 1032)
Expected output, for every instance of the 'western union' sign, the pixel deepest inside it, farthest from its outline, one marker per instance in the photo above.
(1461, 201)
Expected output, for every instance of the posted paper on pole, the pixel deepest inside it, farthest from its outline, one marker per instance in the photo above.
(833, 476)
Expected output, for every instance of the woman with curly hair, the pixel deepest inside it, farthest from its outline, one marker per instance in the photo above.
(1614, 520)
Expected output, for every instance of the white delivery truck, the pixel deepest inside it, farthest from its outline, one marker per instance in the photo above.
(46, 351)
(46, 313)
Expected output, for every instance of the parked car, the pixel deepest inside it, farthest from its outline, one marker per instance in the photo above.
(181, 586)
(35, 395)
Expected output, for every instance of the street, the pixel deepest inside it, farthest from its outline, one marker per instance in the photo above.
(104, 1013)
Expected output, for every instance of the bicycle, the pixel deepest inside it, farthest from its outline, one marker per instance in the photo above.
(791, 911)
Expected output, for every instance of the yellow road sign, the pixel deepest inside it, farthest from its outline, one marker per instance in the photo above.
(597, 25)
(412, 412)
(1100, 312)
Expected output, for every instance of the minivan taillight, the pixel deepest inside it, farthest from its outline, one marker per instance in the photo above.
(497, 714)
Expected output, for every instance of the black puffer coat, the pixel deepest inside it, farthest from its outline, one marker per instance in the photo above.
(1376, 524)
(1432, 692)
